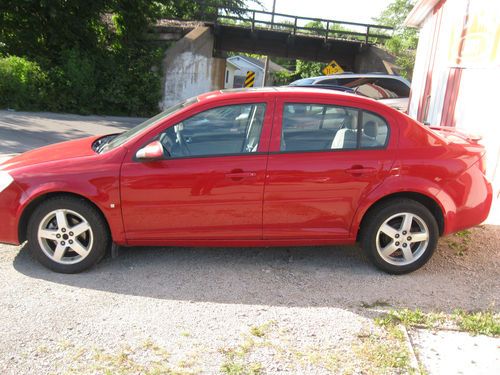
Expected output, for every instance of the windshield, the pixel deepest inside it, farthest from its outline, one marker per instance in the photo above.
(129, 134)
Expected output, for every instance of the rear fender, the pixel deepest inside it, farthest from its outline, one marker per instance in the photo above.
(396, 185)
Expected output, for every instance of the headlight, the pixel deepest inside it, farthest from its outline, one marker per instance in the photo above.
(5, 180)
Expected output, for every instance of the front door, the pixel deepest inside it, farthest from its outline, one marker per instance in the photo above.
(326, 159)
(210, 183)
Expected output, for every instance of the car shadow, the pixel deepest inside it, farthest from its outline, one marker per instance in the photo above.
(301, 277)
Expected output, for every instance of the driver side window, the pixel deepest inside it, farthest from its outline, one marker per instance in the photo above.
(233, 129)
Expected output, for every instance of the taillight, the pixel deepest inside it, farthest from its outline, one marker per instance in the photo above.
(482, 164)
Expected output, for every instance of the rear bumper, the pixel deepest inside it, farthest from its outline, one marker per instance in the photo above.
(467, 200)
(9, 207)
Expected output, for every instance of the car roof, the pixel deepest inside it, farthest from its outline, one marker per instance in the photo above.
(283, 91)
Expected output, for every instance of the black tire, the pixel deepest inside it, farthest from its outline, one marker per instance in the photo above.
(387, 210)
(98, 233)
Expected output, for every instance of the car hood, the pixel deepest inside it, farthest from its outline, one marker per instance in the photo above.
(56, 152)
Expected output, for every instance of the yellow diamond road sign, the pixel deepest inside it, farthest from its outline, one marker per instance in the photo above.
(332, 68)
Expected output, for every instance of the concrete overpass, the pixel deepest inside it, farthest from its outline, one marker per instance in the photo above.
(195, 63)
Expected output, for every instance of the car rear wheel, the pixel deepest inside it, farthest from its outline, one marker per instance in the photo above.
(67, 234)
(400, 236)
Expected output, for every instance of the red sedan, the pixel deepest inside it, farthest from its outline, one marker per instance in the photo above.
(267, 167)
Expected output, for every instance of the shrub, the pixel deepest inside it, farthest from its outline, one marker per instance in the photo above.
(22, 83)
(121, 82)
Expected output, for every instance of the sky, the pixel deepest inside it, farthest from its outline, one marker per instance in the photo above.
(351, 10)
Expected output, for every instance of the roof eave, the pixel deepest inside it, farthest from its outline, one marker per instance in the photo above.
(419, 12)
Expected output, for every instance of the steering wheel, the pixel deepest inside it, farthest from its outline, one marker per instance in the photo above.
(182, 142)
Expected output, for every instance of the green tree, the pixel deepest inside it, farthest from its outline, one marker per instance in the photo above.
(404, 42)
(92, 53)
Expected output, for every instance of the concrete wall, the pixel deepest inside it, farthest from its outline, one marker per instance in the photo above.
(374, 59)
(190, 68)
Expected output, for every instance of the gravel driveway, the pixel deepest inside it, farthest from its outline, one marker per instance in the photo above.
(196, 305)
(236, 311)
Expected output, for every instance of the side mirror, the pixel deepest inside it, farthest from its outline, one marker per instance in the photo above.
(153, 151)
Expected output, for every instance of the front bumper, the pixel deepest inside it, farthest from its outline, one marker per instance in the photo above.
(9, 209)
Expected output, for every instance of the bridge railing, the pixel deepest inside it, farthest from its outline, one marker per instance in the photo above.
(260, 19)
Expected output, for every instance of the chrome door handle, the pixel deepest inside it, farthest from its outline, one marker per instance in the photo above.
(240, 175)
(360, 170)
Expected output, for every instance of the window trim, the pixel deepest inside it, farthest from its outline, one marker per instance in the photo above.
(359, 124)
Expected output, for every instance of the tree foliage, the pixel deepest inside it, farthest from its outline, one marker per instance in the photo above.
(92, 54)
(404, 42)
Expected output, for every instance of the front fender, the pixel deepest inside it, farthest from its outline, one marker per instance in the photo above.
(108, 203)
(95, 178)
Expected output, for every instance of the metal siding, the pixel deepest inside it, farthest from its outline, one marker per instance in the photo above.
(469, 39)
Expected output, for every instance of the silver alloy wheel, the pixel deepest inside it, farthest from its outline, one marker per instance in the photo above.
(402, 239)
(65, 236)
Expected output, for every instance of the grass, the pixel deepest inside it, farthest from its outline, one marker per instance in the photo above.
(460, 242)
(384, 352)
(480, 322)
(261, 330)
(147, 359)
(411, 318)
(318, 358)
(232, 368)
(236, 360)
(269, 340)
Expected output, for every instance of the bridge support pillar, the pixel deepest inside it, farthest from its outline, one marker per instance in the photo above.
(190, 68)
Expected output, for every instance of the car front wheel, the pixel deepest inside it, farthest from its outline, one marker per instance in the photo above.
(400, 236)
(67, 234)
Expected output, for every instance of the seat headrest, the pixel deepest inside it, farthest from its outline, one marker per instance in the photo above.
(370, 129)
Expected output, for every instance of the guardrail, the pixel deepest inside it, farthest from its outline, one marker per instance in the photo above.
(260, 19)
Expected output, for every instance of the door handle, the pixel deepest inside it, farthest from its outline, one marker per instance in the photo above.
(240, 175)
(359, 170)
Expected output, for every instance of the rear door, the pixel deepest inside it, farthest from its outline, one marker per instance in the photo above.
(324, 158)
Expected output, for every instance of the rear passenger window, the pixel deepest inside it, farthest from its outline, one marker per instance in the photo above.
(374, 131)
(319, 127)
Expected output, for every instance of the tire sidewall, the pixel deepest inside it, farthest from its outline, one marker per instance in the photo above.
(95, 220)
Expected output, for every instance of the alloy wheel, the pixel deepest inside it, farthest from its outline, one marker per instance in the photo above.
(65, 236)
(402, 239)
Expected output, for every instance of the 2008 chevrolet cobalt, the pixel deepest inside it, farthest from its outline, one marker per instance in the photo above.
(268, 167)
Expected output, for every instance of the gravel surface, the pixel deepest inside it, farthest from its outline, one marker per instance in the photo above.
(197, 307)
(183, 311)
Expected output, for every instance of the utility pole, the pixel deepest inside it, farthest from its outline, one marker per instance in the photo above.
(266, 63)
(272, 16)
